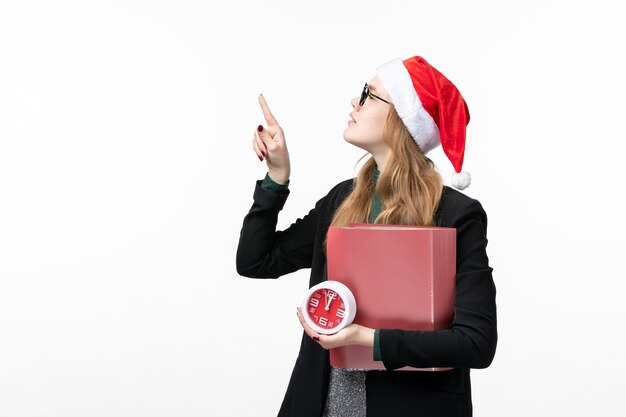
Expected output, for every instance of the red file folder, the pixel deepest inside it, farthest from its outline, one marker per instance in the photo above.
(402, 277)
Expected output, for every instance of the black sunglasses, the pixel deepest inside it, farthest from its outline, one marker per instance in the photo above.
(367, 93)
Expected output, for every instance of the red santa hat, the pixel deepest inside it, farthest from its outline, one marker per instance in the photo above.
(431, 108)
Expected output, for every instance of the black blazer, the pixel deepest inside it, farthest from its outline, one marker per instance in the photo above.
(264, 252)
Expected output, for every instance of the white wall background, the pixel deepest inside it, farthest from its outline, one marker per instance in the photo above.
(126, 169)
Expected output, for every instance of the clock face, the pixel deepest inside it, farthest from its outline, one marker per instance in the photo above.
(326, 308)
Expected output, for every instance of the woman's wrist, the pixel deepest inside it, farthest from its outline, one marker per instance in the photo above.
(281, 178)
(366, 337)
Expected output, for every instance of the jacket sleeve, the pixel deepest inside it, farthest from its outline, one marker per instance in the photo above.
(471, 341)
(262, 251)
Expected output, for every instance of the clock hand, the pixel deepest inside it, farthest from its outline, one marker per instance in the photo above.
(330, 296)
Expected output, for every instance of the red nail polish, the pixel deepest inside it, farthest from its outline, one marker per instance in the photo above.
(316, 338)
(260, 159)
(263, 152)
(259, 128)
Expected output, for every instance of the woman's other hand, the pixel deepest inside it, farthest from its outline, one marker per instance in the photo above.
(354, 334)
(269, 145)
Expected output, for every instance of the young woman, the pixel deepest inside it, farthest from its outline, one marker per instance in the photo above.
(405, 111)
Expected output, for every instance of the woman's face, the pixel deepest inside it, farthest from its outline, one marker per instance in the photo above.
(365, 127)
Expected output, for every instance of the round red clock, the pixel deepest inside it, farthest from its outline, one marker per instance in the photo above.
(328, 307)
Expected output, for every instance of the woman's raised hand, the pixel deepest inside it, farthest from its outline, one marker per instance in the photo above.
(269, 144)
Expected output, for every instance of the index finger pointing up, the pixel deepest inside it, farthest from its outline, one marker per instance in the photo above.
(269, 117)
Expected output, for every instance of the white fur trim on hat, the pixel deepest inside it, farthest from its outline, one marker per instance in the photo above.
(396, 80)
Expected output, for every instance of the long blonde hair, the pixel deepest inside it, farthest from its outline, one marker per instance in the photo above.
(409, 187)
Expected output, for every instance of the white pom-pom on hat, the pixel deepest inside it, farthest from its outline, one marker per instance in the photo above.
(431, 108)
(461, 180)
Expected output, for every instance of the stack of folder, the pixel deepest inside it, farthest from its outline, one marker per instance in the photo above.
(402, 277)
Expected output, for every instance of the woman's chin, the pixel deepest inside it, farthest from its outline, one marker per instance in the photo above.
(353, 143)
(347, 139)
(347, 136)
(354, 139)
